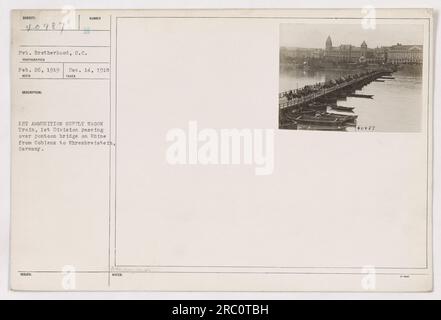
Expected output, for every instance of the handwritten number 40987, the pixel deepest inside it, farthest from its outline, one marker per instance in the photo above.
(54, 26)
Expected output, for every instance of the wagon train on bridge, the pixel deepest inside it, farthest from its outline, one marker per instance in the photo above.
(314, 107)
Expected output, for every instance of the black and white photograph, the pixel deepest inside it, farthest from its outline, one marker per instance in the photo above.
(351, 77)
(237, 152)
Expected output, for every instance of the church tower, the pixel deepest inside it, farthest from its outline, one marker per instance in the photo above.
(364, 49)
(328, 43)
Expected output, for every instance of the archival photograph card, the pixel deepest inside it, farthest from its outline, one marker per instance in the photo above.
(222, 150)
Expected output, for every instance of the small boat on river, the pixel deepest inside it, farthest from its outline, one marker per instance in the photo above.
(358, 95)
(342, 108)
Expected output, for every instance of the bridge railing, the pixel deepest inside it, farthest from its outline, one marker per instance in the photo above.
(322, 92)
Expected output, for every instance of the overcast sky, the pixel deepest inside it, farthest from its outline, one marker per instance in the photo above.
(314, 35)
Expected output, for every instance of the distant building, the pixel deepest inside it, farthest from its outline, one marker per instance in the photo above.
(347, 53)
(399, 54)
(352, 54)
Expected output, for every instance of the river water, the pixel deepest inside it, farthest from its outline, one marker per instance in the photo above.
(396, 105)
